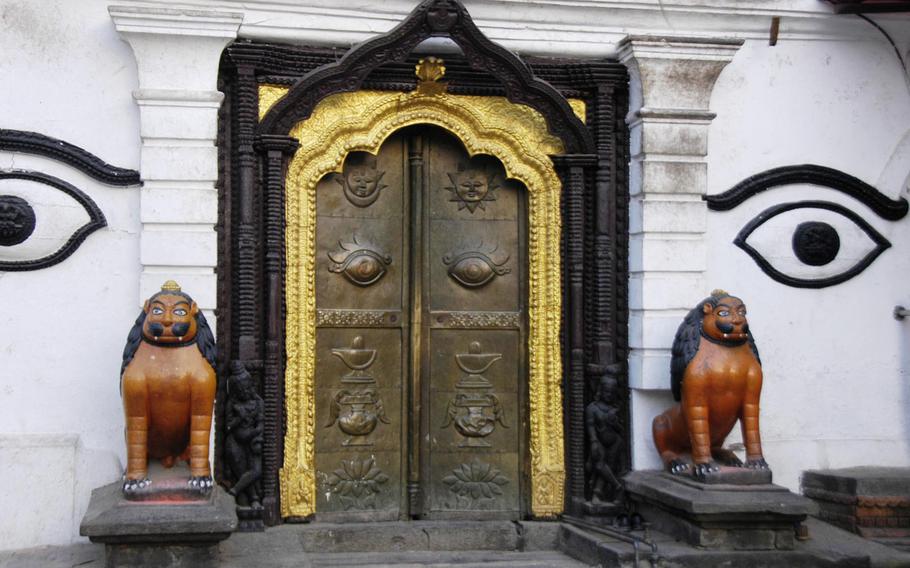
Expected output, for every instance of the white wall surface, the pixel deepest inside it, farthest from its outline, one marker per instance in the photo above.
(62, 329)
(829, 93)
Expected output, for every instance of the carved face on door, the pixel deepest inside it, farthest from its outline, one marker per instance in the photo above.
(471, 187)
(361, 181)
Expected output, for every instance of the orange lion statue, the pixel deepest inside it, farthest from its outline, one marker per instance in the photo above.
(716, 375)
(168, 386)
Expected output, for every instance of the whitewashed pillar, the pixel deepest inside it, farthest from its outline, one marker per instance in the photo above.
(671, 83)
(177, 52)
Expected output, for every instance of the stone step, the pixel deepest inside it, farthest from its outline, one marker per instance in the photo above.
(436, 559)
(450, 536)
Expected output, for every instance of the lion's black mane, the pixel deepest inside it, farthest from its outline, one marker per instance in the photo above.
(205, 339)
(687, 340)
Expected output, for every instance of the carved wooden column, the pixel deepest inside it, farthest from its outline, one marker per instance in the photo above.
(247, 242)
(671, 83)
(275, 150)
(573, 169)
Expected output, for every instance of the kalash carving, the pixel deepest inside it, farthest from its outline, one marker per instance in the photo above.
(716, 374)
(168, 386)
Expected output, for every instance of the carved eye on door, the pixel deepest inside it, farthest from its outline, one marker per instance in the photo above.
(363, 263)
(476, 268)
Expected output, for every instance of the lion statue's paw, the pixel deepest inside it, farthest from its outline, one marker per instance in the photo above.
(679, 467)
(201, 483)
(704, 470)
(758, 463)
(134, 485)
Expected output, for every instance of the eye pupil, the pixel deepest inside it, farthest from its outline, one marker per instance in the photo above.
(815, 243)
(17, 220)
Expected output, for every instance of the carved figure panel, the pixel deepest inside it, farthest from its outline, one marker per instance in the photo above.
(471, 188)
(360, 181)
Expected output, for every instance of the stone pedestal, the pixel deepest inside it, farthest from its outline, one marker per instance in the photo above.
(719, 516)
(873, 502)
(164, 525)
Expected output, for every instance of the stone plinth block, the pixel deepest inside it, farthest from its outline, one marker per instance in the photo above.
(873, 502)
(719, 516)
(164, 526)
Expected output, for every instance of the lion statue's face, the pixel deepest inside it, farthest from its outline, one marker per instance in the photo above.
(727, 321)
(169, 318)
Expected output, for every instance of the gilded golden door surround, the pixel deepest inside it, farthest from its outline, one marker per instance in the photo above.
(361, 121)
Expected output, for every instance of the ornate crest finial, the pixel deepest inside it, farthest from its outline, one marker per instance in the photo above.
(429, 71)
(718, 292)
(442, 15)
(170, 286)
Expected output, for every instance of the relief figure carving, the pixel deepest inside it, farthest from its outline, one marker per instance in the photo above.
(471, 188)
(360, 181)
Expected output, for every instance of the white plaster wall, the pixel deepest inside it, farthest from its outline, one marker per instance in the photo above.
(835, 360)
(68, 75)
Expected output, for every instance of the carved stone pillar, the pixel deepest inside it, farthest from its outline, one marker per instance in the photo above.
(671, 83)
(275, 150)
(177, 53)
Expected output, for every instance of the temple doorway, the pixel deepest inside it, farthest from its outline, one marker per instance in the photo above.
(420, 365)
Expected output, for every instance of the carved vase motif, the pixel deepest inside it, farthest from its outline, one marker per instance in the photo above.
(357, 411)
(475, 410)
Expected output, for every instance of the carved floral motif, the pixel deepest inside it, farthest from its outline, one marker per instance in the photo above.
(357, 482)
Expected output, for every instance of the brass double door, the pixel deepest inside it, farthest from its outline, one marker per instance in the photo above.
(421, 363)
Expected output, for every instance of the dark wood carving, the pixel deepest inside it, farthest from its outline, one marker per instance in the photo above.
(598, 225)
(432, 18)
(81, 159)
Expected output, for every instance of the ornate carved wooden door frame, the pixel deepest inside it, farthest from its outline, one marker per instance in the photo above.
(574, 181)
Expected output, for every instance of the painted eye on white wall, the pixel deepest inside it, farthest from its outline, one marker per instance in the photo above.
(43, 220)
(811, 244)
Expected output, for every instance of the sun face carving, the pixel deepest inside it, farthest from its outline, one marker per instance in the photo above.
(361, 262)
(471, 187)
(475, 267)
(361, 181)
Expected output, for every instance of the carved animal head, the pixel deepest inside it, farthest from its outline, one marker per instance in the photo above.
(724, 318)
(170, 318)
(720, 318)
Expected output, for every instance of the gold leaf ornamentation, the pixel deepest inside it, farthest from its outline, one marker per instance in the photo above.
(361, 121)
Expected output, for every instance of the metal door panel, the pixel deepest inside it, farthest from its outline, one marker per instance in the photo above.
(420, 369)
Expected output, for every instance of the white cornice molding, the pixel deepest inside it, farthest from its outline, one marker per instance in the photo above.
(544, 27)
(139, 19)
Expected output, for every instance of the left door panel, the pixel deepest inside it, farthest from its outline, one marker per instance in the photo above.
(361, 342)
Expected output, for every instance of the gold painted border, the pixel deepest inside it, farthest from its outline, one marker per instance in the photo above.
(361, 121)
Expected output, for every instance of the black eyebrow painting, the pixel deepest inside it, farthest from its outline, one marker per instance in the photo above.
(881, 204)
